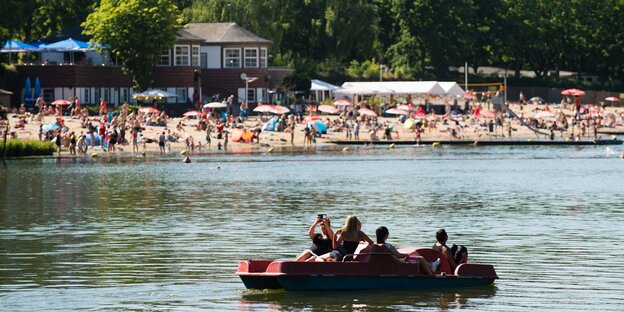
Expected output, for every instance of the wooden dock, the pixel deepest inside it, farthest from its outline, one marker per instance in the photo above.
(481, 142)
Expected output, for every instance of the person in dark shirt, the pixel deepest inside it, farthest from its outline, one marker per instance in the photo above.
(321, 242)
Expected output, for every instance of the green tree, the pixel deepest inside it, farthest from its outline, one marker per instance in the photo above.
(137, 31)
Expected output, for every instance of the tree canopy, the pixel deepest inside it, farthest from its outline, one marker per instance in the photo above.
(137, 32)
(419, 39)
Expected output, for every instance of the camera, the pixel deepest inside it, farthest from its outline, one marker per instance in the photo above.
(322, 216)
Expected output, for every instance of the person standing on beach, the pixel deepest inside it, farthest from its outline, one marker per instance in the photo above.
(57, 141)
(208, 138)
(356, 130)
(291, 127)
(103, 108)
(226, 135)
(72, 143)
(161, 143)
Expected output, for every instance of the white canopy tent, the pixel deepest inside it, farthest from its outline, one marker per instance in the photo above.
(322, 89)
(392, 88)
(451, 88)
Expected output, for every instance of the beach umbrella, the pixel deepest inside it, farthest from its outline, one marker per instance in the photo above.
(215, 105)
(149, 110)
(343, 102)
(409, 123)
(396, 111)
(573, 92)
(37, 88)
(50, 127)
(27, 91)
(612, 99)
(191, 113)
(318, 125)
(61, 102)
(276, 109)
(328, 109)
(266, 108)
(408, 107)
(536, 99)
(311, 119)
(468, 96)
(367, 112)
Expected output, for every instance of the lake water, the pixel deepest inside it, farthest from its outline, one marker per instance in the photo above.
(117, 234)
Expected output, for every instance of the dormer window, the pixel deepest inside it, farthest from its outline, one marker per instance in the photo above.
(251, 57)
(181, 55)
(231, 58)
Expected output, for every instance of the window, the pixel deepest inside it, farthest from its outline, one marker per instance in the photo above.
(182, 55)
(48, 95)
(263, 58)
(106, 95)
(231, 58)
(181, 93)
(86, 96)
(251, 57)
(165, 58)
(195, 55)
(251, 95)
(98, 95)
(125, 95)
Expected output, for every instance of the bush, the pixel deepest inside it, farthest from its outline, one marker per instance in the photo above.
(16, 148)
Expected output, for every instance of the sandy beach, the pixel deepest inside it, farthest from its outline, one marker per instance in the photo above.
(466, 127)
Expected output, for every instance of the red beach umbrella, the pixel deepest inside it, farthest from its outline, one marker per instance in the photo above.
(328, 109)
(397, 111)
(149, 110)
(408, 107)
(276, 109)
(343, 102)
(573, 92)
(266, 108)
(367, 112)
(192, 113)
(61, 102)
(311, 119)
(612, 99)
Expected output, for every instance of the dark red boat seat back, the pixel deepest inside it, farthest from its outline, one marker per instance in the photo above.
(432, 255)
(376, 253)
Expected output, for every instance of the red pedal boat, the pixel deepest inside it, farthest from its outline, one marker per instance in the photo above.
(373, 268)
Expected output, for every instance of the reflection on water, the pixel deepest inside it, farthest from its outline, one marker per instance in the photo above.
(156, 234)
(364, 300)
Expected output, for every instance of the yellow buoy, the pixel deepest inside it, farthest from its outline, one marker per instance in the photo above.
(435, 144)
(613, 137)
(270, 150)
(530, 140)
(94, 155)
(392, 146)
(568, 140)
(345, 149)
(183, 153)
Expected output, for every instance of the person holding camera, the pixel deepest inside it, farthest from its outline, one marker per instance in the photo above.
(321, 242)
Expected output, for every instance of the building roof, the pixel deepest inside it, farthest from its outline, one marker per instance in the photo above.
(223, 33)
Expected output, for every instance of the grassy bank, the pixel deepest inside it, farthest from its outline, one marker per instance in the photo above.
(28, 148)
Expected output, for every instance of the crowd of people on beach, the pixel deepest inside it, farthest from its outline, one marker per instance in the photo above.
(114, 130)
(342, 245)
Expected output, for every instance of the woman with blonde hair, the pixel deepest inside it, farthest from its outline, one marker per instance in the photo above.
(346, 240)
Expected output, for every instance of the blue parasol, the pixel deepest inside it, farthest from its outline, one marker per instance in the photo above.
(27, 92)
(50, 127)
(319, 126)
(37, 88)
